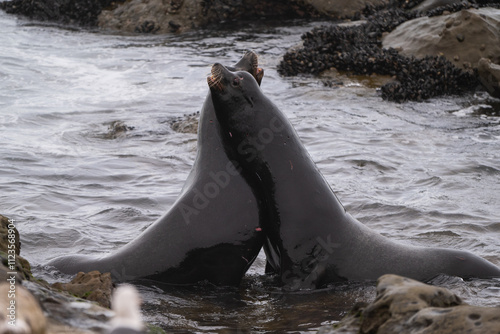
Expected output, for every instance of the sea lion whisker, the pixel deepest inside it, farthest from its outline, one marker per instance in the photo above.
(216, 71)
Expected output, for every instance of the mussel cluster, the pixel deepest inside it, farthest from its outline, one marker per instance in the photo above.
(358, 50)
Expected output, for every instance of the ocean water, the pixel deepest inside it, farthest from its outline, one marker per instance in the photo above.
(423, 173)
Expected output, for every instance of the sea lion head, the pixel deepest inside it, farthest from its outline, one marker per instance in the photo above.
(238, 103)
(249, 63)
(248, 120)
(232, 91)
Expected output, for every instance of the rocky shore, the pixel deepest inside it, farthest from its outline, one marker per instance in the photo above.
(155, 16)
(429, 48)
(158, 16)
(83, 13)
(29, 305)
(429, 52)
(401, 305)
(357, 50)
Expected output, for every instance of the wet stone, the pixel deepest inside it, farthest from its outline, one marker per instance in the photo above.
(186, 124)
(29, 317)
(403, 305)
(489, 76)
(62, 313)
(116, 129)
(21, 265)
(92, 286)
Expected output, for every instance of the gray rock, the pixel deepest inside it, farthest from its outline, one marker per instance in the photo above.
(22, 309)
(69, 314)
(463, 37)
(11, 260)
(5, 244)
(62, 313)
(92, 286)
(489, 76)
(403, 305)
(186, 124)
(158, 16)
(151, 16)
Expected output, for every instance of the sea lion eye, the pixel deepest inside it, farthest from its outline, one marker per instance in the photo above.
(236, 82)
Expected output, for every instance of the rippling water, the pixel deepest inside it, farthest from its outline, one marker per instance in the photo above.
(422, 173)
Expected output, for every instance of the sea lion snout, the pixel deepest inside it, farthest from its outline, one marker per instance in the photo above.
(216, 77)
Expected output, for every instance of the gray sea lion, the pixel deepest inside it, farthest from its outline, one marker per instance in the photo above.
(211, 233)
(314, 241)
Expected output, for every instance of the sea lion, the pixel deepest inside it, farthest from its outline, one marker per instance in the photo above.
(314, 241)
(211, 233)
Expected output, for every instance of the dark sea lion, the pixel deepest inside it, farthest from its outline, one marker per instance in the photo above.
(314, 241)
(211, 232)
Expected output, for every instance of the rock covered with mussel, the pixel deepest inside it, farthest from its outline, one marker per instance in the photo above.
(358, 49)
